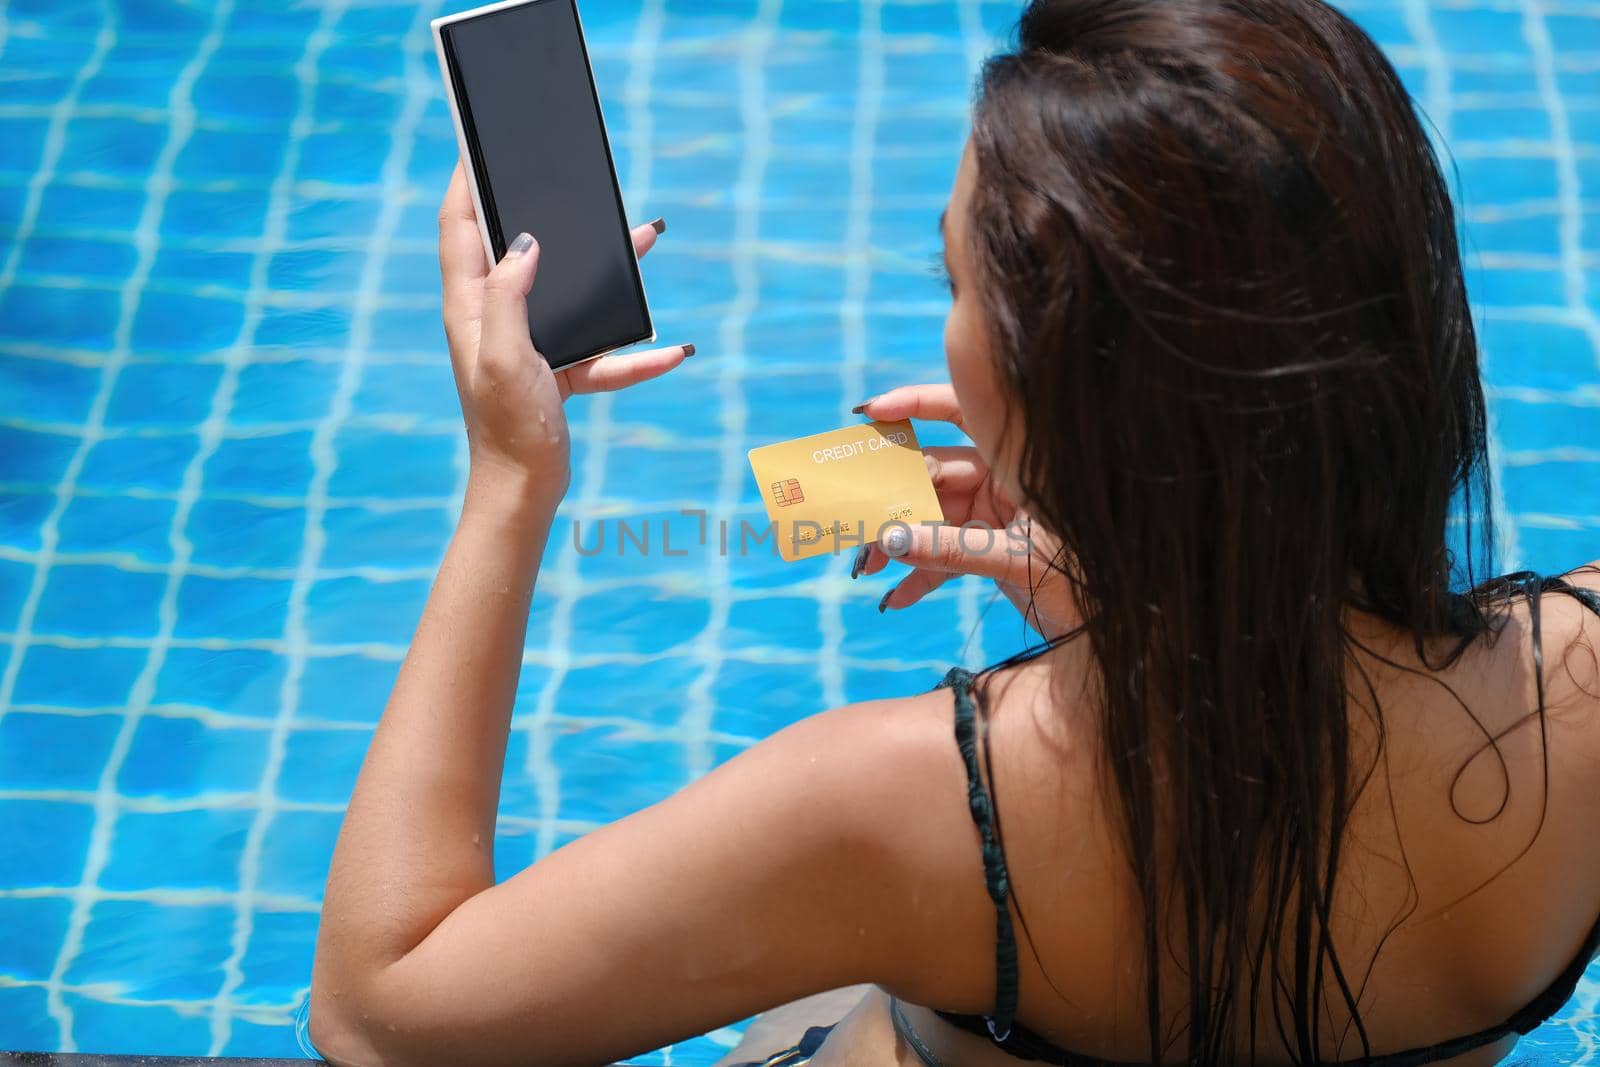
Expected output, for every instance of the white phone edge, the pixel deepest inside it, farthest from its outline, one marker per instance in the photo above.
(465, 152)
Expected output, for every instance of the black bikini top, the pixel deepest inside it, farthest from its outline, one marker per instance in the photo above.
(1012, 1037)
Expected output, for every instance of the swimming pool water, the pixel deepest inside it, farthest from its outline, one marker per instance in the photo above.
(229, 449)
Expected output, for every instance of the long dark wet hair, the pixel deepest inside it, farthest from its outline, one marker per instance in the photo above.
(1220, 270)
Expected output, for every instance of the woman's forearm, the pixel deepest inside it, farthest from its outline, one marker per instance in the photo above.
(418, 837)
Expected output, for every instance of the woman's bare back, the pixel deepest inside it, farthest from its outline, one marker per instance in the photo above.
(1471, 864)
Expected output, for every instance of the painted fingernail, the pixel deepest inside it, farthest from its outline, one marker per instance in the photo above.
(659, 225)
(883, 605)
(688, 350)
(896, 541)
(862, 407)
(862, 555)
(521, 245)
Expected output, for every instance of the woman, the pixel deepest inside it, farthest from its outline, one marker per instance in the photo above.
(1273, 790)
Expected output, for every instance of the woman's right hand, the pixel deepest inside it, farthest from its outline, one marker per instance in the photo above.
(1001, 540)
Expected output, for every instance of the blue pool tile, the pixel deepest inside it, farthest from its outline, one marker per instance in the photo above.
(1513, 288)
(1507, 179)
(392, 20)
(292, 391)
(128, 945)
(383, 464)
(177, 850)
(97, 601)
(356, 611)
(328, 327)
(80, 257)
(1469, 30)
(774, 622)
(250, 1039)
(53, 750)
(139, 527)
(46, 841)
(114, 210)
(1537, 355)
(364, 61)
(640, 544)
(749, 705)
(1551, 550)
(320, 766)
(1546, 487)
(37, 53)
(126, 87)
(182, 322)
(27, 1018)
(195, 267)
(15, 580)
(163, 394)
(13, 194)
(638, 620)
(48, 391)
(356, 102)
(415, 273)
(152, 463)
(519, 783)
(165, 17)
(105, 1025)
(327, 217)
(1532, 234)
(350, 157)
(419, 390)
(347, 688)
(257, 98)
(416, 327)
(276, 465)
(304, 270)
(34, 457)
(878, 682)
(215, 217)
(514, 849)
(924, 631)
(409, 538)
(78, 677)
(212, 154)
(606, 774)
(181, 757)
(42, 89)
(277, 962)
(1541, 425)
(235, 533)
(1573, 32)
(34, 930)
(240, 681)
(52, 315)
(112, 146)
(295, 853)
(1501, 124)
(238, 609)
(23, 144)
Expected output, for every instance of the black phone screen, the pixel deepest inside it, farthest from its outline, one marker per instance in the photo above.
(538, 143)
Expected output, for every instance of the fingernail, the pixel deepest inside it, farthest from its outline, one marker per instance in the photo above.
(862, 407)
(883, 605)
(862, 555)
(521, 245)
(659, 225)
(896, 541)
(688, 350)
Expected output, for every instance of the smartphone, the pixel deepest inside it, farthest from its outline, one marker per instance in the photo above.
(533, 139)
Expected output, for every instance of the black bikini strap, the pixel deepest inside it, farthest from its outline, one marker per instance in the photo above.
(960, 681)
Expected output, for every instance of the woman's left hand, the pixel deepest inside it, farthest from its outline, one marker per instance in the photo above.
(510, 398)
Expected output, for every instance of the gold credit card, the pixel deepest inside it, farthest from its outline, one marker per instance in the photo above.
(832, 492)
